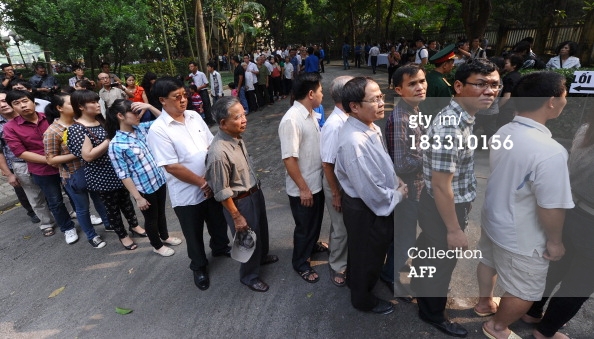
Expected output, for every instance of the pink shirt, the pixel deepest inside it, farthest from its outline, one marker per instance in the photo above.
(22, 135)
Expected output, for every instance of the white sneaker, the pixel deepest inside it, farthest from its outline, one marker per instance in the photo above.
(97, 242)
(164, 251)
(95, 220)
(71, 236)
(173, 241)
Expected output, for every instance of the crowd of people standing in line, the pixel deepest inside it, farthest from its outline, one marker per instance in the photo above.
(374, 184)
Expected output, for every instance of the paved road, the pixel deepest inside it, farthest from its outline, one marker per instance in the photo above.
(161, 293)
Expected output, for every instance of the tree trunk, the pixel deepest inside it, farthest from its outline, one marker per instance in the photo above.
(378, 18)
(545, 23)
(475, 15)
(586, 42)
(201, 36)
(388, 19)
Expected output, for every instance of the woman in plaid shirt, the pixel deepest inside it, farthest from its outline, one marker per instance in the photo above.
(136, 167)
(61, 115)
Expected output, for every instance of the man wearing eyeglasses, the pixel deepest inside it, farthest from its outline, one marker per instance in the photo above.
(110, 92)
(450, 187)
(371, 190)
(179, 140)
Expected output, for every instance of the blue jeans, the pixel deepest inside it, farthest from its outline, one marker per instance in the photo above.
(243, 99)
(82, 205)
(52, 189)
(345, 61)
(405, 234)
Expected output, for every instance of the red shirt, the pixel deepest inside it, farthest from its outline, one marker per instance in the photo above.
(22, 135)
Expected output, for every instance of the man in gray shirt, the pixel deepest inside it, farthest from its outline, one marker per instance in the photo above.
(230, 174)
(371, 190)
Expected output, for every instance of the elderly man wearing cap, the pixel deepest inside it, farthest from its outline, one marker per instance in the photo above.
(439, 90)
(230, 174)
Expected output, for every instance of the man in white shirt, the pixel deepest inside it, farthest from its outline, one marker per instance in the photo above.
(525, 202)
(373, 53)
(216, 82)
(299, 135)
(179, 140)
(337, 259)
(422, 55)
(199, 79)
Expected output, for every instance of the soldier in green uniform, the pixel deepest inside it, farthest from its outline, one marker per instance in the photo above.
(439, 90)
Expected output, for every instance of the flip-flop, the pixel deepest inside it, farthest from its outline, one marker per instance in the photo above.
(320, 247)
(482, 314)
(334, 275)
(512, 334)
(48, 232)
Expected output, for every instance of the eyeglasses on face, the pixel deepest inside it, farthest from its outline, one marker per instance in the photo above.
(376, 100)
(179, 97)
(484, 85)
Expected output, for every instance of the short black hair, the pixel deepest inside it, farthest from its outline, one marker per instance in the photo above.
(76, 66)
(165, 85)
(354, 91)
(81, 98)
(474, 66)
(212, 64)
(3, 66)
(572, 47)
(16, 95)
(515, 60)
(23, 82)
(103, 64)
(304, 83)
(534, 89)
(409, 69)
(39, 65)
(193, 63)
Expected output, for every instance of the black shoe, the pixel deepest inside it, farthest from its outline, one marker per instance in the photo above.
(258, 286)
(34, 218)
(226, 253)
(448, 327)
(201, 279)
(383, 307)
(143, 234)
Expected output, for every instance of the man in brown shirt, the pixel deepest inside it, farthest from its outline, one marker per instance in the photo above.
(234, 183)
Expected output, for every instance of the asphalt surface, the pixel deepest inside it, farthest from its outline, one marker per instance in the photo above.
(161, 293)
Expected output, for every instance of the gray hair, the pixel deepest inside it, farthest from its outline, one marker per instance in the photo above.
(220, 109)
(336, 87)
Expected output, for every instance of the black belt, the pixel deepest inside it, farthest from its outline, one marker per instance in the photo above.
(247, 193)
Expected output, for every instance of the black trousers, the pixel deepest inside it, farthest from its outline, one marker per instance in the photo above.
(575, 272)
(191, 219)
(308, 223)
(261, 94)
(115, 202)
(432, 292)
(253, 209)
(206, 105)
(373, 63)
(252, 100)
(369, 237)
(155, 221)
(391, 70)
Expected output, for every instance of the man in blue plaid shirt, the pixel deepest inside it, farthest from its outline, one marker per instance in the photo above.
(450, 187)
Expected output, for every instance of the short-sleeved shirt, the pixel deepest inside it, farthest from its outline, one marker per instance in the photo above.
(54, 142)
(111, 95)
(263, 75)
(329, 135)
(364, 168)
(421, 54)
(530, 174)
(288, 71)
(229, 168)
(24, 136)
(10, 157)
(99, 173)
(199, 79)
(453, 124)
(239, 71)
(299, 135)
(185, 143)
(131, 158)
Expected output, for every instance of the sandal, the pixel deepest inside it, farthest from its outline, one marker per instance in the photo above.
(308, 273)
(269, 259)
(130, 247)
(320, 247)
(48, 232)
(334, 275)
